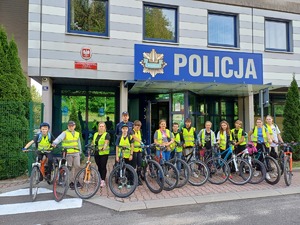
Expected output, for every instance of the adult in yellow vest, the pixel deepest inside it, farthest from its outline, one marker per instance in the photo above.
(163, 137)
(274, 135)
(224, 136)
(239, 135)
(125, 140)
(71, 141)
(43, 141)
(137, 151)
(260, 135)
(189, 137)
(177, 145)
(101, 141)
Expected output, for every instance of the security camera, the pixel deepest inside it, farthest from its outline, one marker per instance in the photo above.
(44, 79)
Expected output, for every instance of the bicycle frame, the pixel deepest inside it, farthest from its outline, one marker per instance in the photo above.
(191, 156)
(288, 153)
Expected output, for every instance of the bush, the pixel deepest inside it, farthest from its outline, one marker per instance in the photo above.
(14, 108)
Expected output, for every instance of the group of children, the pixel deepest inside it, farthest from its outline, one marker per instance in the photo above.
(129, 137)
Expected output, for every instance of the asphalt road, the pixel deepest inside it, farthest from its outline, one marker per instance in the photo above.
(273, 210)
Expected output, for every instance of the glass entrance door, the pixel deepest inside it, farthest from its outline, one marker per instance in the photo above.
(88, 108)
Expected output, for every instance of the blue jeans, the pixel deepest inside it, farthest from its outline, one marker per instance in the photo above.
(178, 164)
(165, 155)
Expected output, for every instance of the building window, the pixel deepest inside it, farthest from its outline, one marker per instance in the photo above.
(277, 35)
(160, 23)
(88, 17)
(222, 30)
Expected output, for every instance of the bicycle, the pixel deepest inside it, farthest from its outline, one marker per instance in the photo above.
(88, 178)
(61, 178)
(271, 165)
(285, 161)
(170, 172)
(182, 168)
(240, 169)
(151, 170)
(258, 168)
(199, 172)
(38, 172)
(123, 179)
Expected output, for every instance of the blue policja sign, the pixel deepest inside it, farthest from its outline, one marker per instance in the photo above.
(196, 65)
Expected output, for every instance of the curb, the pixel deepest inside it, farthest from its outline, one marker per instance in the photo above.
(150, 204)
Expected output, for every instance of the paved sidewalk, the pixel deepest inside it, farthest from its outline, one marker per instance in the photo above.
(142, 198)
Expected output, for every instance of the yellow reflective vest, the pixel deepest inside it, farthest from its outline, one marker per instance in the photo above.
(255, 136)
(137, 144)
(223, 140)
(125, 142)
(44, 144)
(239, 135)
(101, 143)
(160, 137)
(189, 136)
(176, 140)
(71, 142)
(202, 137)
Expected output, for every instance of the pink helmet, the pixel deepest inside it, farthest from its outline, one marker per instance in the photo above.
(251, 148)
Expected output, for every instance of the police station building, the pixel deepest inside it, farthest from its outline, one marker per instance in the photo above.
(167, 59)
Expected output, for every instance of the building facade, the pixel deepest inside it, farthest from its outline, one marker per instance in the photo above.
(207, 60)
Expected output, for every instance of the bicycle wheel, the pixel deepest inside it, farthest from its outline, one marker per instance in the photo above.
(241, 173)
(287, 171)
(218, 170)
(34, 182)
(259, 171)
(60, 183)
(273, 170)
(151, 176)
(183, 171)
(123, 181)
(171, 176)
(89, 179)
(198, 173)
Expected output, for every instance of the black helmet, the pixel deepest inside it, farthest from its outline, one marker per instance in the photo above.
(44, 125)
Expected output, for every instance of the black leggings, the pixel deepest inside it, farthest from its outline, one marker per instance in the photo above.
(101, 161)
(136, 160)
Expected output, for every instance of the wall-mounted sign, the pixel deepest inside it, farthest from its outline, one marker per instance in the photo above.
(196, 65)
(86, 65)
(86, 53)
(101, 111)
(45, 88)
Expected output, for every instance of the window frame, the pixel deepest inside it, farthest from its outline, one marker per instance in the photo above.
(288, 35)
(235, 25)
(176, 23)
(105, 34)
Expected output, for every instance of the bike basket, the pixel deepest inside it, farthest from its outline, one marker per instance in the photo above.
(251, 148)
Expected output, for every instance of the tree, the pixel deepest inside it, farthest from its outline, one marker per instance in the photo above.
(14, 99)
(74, 117)
(291, 117)
(35, 95)
(157, 25)
(291, 114)
(89, 16)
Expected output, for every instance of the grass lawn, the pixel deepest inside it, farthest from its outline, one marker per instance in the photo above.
(296, 164)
